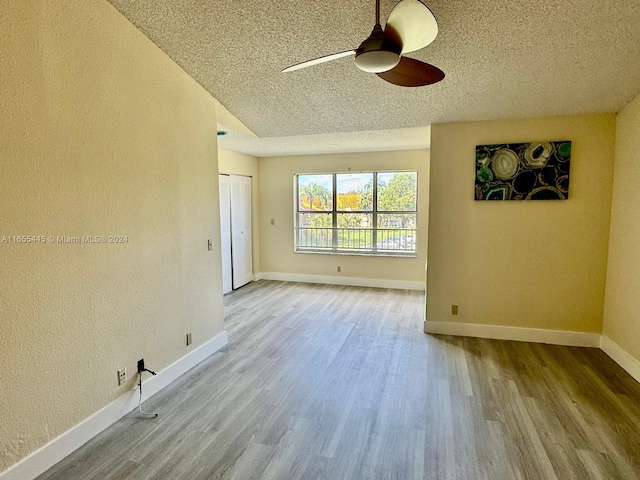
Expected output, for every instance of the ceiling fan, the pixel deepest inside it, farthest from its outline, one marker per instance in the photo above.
(410, 27)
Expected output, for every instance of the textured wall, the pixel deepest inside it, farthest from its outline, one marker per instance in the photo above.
(535, 264)
(100, 134)
(621, 317)
(277, 202)
(240, 164)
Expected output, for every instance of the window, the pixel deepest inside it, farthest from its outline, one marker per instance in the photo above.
(368, 213)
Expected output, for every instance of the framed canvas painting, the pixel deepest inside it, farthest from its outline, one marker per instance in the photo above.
(523, 171)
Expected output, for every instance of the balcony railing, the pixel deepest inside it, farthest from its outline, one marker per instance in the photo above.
(365, 240)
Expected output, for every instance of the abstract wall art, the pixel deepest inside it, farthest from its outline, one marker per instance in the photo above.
(523, 171)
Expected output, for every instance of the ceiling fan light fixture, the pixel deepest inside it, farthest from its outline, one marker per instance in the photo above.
(410, 26)
(377, 61)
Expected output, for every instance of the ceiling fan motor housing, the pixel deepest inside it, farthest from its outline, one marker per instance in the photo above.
(377, 53)
(410, 26)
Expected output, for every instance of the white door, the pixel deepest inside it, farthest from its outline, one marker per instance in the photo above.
(241, 251)
(225, 231)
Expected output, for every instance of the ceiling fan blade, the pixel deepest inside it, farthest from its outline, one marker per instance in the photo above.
(316, 61)
(412, 25)
(412, 73)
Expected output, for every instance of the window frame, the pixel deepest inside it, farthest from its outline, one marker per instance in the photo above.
(335, 249)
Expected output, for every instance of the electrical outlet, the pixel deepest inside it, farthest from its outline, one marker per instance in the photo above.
(454, 309)
(339, 269)
(189, 339)
(122, 376)
(273, 221)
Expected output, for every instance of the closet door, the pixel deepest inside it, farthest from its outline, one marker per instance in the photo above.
(225, 231)
(242, 257)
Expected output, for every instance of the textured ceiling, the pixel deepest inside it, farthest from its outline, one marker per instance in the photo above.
(411, 138)
(502, 58)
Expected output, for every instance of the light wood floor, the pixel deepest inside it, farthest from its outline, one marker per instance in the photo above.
(327, 382)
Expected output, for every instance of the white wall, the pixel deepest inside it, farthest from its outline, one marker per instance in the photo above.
(533, 264)
(100, 134)
(622, 300)
(277, 201)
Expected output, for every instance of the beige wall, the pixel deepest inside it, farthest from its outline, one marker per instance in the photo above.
(276, 201)
(235, 163)
(535, 264)
(227, 120)
(100, 134)
(621, 315)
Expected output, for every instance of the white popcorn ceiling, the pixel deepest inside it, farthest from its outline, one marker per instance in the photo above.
(503, 59)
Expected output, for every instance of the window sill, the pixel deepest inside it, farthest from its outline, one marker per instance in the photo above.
(360, 254)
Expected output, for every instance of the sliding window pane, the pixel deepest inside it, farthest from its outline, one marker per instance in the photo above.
(397, 191)
(397, 221)
(355, 191)
(315, 193)
(396, 232)
(314, 231)
(355, 231)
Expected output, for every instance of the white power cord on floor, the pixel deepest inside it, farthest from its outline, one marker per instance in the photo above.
(145, 414)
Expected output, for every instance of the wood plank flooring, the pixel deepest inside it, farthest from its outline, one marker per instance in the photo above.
(330, 382)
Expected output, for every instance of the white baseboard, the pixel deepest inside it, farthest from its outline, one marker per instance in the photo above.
(497, 332)
(336, 280)
(621, 357)
(536, 335)
(58, 448)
